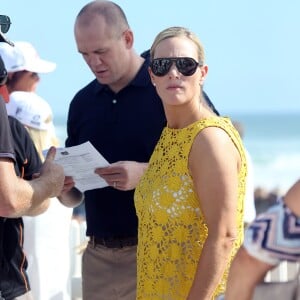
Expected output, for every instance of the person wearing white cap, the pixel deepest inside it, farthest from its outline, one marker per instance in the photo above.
(36, 114)
(23, 65)
(19, 197)
(46, 237)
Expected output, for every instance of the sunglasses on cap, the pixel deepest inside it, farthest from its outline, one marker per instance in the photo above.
(187, 66)
(3, 78)
(4, 23)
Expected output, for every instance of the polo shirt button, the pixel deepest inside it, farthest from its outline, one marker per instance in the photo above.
(114, 101)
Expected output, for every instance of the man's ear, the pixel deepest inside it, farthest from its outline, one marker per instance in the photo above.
(128, 37)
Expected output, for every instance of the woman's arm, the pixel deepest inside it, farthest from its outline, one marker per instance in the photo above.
(214, 164)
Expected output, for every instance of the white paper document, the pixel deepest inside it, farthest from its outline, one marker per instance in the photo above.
(80, 162)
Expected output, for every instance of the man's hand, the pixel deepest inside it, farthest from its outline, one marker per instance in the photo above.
(70, 196)
(123, 175)
(52, 173)
(68, 185)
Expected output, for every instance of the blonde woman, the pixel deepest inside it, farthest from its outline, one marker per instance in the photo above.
(189, 201)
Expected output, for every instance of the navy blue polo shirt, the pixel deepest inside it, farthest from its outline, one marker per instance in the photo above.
(121, 126)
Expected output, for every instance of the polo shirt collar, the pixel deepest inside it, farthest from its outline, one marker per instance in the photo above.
(141, 79)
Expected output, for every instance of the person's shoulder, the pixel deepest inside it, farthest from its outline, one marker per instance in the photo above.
(146, 54)
(19, 133)
(142, 78)
(91, 88)
(16, 126)
(213, 131)
(26, 156)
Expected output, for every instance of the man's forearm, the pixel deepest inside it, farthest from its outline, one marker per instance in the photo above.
(24, 198)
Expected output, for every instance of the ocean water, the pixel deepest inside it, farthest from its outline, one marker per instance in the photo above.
(273, 141)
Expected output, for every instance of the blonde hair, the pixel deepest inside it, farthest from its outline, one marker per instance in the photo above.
(177, 31)
(43, 139)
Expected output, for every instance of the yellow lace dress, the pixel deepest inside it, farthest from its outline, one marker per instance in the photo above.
(172, 230)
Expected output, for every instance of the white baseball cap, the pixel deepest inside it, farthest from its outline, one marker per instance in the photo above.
(30, 109)
(24, 57)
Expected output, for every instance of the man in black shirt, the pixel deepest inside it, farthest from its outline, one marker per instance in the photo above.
(14, 280)
(19, 197)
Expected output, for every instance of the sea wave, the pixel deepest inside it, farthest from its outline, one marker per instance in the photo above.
(277, 172)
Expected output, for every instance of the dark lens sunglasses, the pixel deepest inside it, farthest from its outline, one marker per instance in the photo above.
(187, 66)
(3, 79)
(4, 23)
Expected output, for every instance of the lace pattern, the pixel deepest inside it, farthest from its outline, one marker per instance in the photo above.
(172, 229)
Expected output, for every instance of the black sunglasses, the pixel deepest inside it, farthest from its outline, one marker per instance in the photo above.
(4, 23)
(187, 66)
(3, 76)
